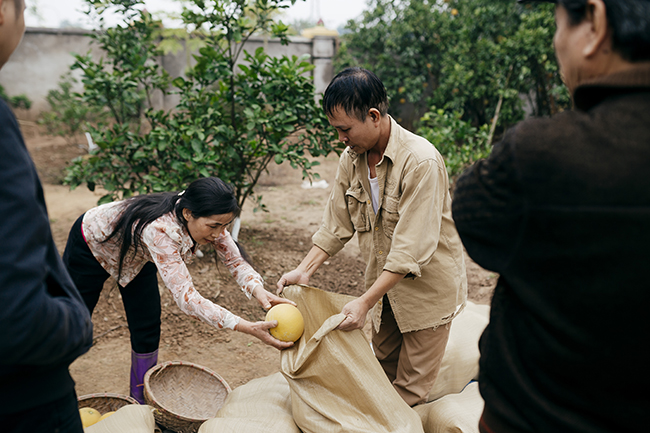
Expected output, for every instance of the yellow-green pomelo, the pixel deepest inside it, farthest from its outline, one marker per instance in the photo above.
(290, 322)
(89, 416)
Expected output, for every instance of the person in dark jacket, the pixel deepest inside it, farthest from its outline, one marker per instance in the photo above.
(44, 323)
(561, 210)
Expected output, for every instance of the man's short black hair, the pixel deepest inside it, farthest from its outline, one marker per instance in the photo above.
(629, 20)
(355, 90)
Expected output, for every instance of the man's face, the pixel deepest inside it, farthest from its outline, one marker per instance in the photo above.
(359, 136)
(569, 42)
(12, 27)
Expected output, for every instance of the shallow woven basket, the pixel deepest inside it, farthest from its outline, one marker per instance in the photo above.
(105, 402)
(184, 395)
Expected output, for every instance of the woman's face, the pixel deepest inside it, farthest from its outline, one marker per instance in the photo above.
(206, 229)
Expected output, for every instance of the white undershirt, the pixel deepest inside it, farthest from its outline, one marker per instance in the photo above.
(374, 191)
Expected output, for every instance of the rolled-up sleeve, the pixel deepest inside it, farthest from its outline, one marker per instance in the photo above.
(417, 233)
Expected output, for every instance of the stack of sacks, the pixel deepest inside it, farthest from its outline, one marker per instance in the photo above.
(261, 405)
(455, 405)
(453, 413)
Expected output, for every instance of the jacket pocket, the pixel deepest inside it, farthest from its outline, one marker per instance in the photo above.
(358, 208)
(390, 214)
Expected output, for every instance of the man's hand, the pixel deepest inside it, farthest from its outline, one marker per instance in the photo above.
(293, 277)
(268, 299)
(355, 315)
(356, 311)
(260, 330)
(312, 261)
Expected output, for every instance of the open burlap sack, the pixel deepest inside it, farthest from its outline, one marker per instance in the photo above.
(460, 363)
(453, 413)
(337, 385)
(261, 406)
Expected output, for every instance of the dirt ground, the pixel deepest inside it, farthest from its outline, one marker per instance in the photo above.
(276, 240)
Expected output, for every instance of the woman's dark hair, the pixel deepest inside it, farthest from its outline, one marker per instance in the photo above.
(629, 20)
(203, 198)
(355, 90)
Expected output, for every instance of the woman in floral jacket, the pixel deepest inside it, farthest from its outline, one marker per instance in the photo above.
(134, 239)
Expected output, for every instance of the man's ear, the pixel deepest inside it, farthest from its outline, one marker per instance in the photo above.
(374, 115)
(600, 34)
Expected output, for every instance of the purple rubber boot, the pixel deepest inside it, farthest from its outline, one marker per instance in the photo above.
(140, 363)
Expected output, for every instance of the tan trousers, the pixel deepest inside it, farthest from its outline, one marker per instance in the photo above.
(411, 360)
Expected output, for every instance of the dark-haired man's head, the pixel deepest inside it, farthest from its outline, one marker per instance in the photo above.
(356, 105)
(598, 37)
(355, 91)
(12, 27)
(629, 21)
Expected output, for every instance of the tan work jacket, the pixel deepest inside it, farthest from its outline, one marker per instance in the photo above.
(412, 233)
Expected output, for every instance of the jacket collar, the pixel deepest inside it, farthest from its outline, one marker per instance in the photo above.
(395, 137)
(391, 147)
(594, 91)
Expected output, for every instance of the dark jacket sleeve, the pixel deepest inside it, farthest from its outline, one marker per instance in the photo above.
(42, 316)
(488, 207)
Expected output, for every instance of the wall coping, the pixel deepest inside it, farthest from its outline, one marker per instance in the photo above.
(58, 31)
(79, 31)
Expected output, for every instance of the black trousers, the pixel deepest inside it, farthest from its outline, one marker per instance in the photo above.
(140, 297)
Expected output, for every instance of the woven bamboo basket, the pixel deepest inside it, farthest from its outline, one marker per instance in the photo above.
(105, 402)
(184, 395)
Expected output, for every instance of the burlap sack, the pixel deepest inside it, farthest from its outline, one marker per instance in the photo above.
(132, 418)
(261, 406)
(337, 384)
(453, 413)
(460, 362)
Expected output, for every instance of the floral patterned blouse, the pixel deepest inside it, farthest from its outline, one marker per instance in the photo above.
(169, 245)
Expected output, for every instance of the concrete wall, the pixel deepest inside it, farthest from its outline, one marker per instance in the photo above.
(45, 54)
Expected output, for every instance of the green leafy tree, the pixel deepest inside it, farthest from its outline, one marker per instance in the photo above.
(238, 111)
(460, 143)
(459, 55)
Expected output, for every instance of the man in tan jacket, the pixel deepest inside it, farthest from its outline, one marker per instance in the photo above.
(391, 189)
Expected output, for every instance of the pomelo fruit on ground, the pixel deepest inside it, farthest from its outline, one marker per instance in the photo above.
(89, 416)
(290, 322)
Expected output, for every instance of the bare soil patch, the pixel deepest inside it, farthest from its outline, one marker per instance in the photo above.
(276, 240)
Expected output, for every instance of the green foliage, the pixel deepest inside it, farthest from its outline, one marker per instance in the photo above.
(68, 116)
(460, 55)
(233, 118)
(18, 101)
(460, 143)
(125, 79)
